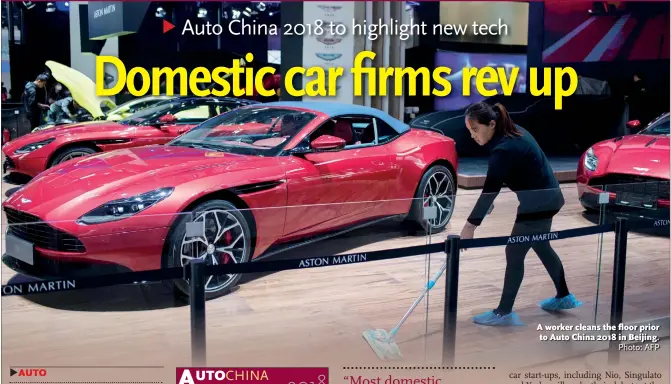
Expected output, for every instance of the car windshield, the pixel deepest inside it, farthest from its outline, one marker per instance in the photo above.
(658, 127)
(257, 131)
(149, 114)
(149, 102)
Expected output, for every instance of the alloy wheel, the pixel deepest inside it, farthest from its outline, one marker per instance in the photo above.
(221, 241)
(74, 155)
(438, 193)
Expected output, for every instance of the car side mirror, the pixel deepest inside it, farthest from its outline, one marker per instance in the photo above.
(327, 143)
(634, 124)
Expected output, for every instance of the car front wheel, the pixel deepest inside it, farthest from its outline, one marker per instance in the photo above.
(217, 233)
(437, 193)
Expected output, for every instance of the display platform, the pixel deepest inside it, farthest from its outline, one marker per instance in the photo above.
(473, 170)
(315, 317)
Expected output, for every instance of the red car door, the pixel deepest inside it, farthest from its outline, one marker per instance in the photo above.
(328, 190)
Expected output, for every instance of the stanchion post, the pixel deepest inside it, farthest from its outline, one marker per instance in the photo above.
(451, 294)
(617, 296)
(197, 303)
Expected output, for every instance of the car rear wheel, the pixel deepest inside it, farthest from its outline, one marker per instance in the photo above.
(72, 153)
(436, 189)
(220, 235)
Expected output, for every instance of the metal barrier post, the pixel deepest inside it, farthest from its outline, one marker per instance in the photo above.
(197, 303)
(617, 296)
(451, 293)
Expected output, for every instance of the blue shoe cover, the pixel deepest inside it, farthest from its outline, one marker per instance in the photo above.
(554, 304)
(491, 318)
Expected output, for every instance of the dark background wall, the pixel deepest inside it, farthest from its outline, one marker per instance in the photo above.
(45, 36)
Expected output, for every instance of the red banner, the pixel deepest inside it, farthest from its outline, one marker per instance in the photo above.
(252, 375)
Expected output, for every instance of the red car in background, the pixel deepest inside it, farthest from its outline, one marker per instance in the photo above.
(33, 153)
(633, 169)
(228, 190)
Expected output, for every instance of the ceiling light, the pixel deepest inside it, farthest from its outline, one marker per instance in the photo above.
(51, 7)
(160, 12)
(202, 13)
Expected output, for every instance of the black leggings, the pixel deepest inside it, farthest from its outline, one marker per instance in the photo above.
(515, 255)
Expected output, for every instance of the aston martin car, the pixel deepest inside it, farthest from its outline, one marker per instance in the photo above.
(33, 153)
(633, 171)
(255, 177)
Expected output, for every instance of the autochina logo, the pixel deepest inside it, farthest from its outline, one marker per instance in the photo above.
(328, 56)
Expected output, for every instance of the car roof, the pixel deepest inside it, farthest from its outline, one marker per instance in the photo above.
(335, 109)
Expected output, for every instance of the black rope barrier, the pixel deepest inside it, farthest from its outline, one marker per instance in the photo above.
(155, 275)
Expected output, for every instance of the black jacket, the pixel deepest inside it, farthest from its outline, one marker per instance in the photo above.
(520, 164)
(30, 99)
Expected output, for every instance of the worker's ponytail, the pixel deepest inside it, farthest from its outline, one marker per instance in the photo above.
(484, 113)
(504, 124)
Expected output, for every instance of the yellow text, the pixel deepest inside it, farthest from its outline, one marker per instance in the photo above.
(244, 80)
(239, 80)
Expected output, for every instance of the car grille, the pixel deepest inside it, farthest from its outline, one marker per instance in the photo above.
(619, 183)
(32, 229)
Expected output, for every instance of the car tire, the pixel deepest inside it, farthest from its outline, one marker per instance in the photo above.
(178, 244)
(439, 180)
(72, 153)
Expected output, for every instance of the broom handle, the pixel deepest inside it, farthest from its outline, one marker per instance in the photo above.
(428, 287)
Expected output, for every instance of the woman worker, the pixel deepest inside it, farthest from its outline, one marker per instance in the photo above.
(517, 161)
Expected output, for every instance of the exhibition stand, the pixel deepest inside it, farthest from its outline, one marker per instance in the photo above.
(196, 272)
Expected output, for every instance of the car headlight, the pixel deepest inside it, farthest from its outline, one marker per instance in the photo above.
(124, 208)
(34, 146)
(591, 161)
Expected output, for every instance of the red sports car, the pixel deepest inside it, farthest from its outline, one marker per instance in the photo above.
(226, 194)
(633, 169)
(33, 153)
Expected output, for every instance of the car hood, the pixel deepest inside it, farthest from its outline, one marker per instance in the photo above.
(63, 130)
(643, 155)
(71, 189)
(82, 88)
